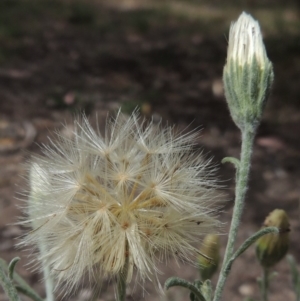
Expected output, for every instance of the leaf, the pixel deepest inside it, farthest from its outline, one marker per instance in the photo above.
(8, 286)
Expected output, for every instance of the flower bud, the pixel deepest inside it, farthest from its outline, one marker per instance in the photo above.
(248, 73)
(208, 264)
(271, 248)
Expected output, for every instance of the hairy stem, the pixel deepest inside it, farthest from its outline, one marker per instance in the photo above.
(175, 281)
(49, 286)
(240, 192)
(265, 284)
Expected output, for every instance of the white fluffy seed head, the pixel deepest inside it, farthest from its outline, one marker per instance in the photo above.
(136, 194)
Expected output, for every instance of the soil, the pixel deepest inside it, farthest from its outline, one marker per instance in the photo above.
(60, 59)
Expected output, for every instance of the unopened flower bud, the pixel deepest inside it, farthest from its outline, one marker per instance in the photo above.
(248, 73)
(271, 248)
(209, 261)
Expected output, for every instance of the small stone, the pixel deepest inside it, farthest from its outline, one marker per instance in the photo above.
(69, 98)
(217, 88)
(246, 290)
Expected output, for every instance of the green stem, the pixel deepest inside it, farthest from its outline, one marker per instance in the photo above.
(121, 282)
(240, 192)
(175, 281)
(49, 286)
(295, 275)
(265, 284)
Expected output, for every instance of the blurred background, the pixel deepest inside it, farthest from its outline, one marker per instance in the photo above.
(59, 58)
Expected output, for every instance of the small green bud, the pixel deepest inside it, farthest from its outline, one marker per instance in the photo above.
(206, 290)
(271, 248)
(248, 73)
(209, 261)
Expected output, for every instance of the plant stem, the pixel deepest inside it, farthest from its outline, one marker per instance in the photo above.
(49, 286)
(121, 282)
(240, 192)
(33, 198)
(265, 284)
(175, 281)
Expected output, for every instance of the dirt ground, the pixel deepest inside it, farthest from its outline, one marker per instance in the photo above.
(61, 58)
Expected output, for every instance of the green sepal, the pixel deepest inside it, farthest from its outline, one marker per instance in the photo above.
(247, 88)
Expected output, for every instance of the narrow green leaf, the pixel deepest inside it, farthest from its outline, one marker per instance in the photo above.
(232, 160)
(8, 286)
(11, 267)
(23, 286)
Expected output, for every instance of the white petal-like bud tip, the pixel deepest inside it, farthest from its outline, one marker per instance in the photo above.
(245, 42)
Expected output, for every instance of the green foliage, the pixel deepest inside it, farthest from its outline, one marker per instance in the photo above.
(8, 286)
(12, 283)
